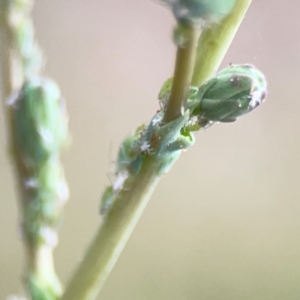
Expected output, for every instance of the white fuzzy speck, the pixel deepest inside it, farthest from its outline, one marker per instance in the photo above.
(156, 120)
(63, 191)
(255, 99)
(31, 183)
(119, 182)
(13, 100)
(46, 135)
(50, 236)
(145, 146)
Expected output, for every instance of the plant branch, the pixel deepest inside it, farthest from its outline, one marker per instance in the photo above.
(20, 60)
(184, 66)
(112, 236)
(5, 53)
(215, 41)
(125, 212)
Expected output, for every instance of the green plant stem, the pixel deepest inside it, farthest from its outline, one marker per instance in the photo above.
(39, 258)
(215, 41)
(184, 66)
(113, 234)
(11, 62)
(126, 211)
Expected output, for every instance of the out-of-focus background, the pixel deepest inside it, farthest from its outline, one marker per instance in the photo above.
(225, 222)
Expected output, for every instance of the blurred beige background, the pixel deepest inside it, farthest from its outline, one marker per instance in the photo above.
(225, 222)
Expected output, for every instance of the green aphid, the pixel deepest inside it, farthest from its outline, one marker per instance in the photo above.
(135, 165)
(233, 92)
(165, 91)
(40, 121)
(185, 140)
(169, 134)
(125, 153)
(129, 158)
(107, 200)
(173, 140)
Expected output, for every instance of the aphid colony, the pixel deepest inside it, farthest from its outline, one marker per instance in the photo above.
(163, 141)
(233, 92)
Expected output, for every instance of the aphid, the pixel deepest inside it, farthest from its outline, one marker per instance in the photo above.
(110, 194)
(107, 200)
(154, 141)
(128, 155)
(164, 93)
(119, 182)
(125, 153)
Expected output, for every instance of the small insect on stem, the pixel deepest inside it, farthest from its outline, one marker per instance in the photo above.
(154, 141)
(119, 182)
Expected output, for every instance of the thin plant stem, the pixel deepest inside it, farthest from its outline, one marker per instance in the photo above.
(12, 76)
(215, 41)
(6, 72)
(16, 34)
(184, 66)
(112, 236)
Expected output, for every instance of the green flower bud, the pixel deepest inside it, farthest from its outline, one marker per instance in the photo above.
(40, 130)
(191, 11)
(233, 92)
(40, 121)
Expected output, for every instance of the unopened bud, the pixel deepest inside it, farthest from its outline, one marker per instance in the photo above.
(233, 92)
(191, 11)
(40, 121)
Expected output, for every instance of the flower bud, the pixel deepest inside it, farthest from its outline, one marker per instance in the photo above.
(191, 11)
(40, 121)
(233, 92)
